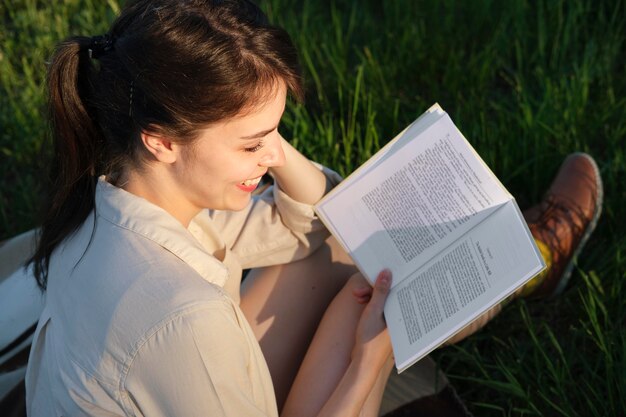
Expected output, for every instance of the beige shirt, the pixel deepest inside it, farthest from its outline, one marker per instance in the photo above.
(141, 315)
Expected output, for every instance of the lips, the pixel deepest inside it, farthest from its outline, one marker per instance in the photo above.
(249, 185)
(253, 182)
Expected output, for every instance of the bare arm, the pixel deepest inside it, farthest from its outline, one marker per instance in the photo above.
(371, 350)
(299, 178)
(305, 183)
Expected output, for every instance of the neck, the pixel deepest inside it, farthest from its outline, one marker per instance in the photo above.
(160, 190)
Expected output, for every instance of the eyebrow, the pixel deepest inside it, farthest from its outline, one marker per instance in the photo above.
(259, 134)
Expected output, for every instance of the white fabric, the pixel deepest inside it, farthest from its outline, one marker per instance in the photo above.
(21, 302)
(141, 315)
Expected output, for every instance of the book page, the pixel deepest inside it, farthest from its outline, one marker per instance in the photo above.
(456, 286)
(432, 115)
(402, 210)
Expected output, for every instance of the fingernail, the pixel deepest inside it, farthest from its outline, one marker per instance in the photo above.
(385, 276)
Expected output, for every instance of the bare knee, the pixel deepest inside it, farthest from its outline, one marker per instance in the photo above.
(355, 284)
(357, 280)
(331, 263)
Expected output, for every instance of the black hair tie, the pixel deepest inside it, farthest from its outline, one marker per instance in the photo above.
(100, 45)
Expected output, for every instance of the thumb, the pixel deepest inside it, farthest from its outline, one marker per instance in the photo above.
(381, 290)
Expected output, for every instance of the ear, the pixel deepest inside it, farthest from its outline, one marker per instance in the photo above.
(163, 149)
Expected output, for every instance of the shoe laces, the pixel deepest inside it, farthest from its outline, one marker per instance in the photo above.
(556, 214)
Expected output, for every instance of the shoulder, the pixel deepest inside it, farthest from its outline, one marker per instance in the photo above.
(112, 289)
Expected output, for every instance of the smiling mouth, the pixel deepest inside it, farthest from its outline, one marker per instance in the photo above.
(252, 182)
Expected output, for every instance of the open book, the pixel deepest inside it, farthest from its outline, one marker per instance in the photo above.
(428, 208)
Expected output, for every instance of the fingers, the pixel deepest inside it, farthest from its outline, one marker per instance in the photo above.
(362, 294)
(381, 290)
(372, 339)
(383, 282)
(361, 291)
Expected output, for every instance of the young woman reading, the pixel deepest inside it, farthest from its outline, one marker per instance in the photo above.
(163, 127)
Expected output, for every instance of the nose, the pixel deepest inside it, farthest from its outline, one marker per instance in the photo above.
(274, 155)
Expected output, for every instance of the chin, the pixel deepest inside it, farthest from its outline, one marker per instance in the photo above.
(237, 205)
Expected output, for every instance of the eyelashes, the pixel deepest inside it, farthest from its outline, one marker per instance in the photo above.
(254, 148)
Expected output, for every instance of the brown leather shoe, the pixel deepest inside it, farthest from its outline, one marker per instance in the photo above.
(565, 218)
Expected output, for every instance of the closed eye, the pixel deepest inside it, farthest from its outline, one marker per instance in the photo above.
(254, 148)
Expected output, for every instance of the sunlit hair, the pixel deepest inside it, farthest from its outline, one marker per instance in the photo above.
(171, 67)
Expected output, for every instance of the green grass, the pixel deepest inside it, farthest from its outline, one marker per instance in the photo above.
(526, 81)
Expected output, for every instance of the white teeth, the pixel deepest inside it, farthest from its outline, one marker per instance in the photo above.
(248, 183)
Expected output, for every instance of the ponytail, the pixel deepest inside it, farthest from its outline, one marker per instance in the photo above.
(170, 66)
(76, 141)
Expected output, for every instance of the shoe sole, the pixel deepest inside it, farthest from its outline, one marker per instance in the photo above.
(590, 227)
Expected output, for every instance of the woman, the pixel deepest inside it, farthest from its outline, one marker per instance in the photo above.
(173, 111)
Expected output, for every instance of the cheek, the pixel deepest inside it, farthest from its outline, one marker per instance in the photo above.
(225, 167)
(211, 167)
(241, 169)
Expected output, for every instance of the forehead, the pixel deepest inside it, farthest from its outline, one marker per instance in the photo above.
(260, 116)
(269, 100)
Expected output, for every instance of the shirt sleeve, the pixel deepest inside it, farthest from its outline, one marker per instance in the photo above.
(199, 364)
(274, 228)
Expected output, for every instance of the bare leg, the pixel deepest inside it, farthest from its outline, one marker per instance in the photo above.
(372, 405)
(328, 358)
(284, 305)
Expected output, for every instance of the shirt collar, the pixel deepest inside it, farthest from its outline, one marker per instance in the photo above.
(146, 219)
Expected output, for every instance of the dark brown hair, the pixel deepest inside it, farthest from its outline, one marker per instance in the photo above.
(167, 66)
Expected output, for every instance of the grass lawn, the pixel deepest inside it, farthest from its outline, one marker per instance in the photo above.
(527, 82)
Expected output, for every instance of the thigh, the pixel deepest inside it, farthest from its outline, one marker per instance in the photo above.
(329, 356)
(285, 303)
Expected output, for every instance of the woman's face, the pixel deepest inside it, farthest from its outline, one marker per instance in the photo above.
(226, 163)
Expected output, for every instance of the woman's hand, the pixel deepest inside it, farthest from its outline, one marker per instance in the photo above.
(372, 338)
(368, 363)
(298, 177)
